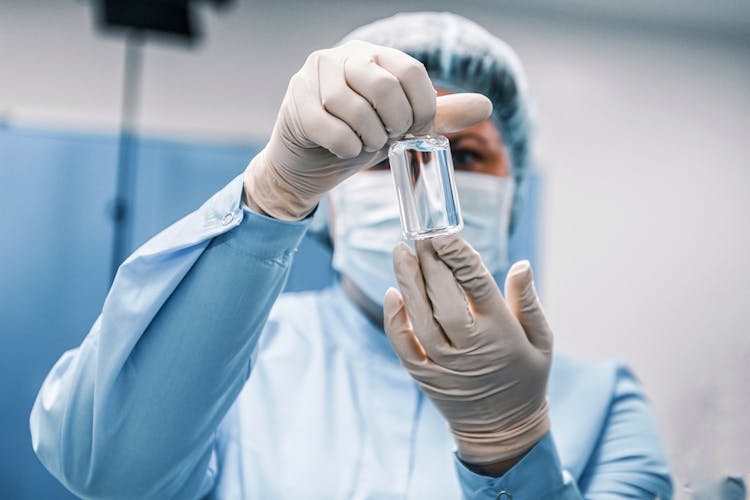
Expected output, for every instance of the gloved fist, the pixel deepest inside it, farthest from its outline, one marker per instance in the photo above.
(338, 113)
(482, 360)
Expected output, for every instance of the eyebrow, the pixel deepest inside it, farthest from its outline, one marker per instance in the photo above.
(468, 135)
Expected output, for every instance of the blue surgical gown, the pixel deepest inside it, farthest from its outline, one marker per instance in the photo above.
(199, 380)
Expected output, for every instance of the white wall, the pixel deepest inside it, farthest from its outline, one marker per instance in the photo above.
(642, 137)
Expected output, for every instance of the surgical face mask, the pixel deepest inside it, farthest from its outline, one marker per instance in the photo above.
(367, 227)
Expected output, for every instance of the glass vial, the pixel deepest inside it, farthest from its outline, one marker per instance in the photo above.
(422, 170)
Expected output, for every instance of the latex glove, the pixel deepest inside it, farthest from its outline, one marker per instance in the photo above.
(482, 360)
(338, 113)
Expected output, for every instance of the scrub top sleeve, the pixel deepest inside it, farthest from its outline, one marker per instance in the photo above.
(630, 459)
(537, 475)
(133, 412)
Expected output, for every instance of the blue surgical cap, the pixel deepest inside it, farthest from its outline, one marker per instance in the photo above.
(461, 56)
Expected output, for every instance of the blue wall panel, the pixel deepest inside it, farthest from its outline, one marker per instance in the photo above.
(53, 265)
(55, 245)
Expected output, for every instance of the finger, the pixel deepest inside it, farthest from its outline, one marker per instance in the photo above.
(382, 90)
(449, 306)
(418, 307)
(417, 86)
(319, 126)
(469, 270)
(399, 331)
(459, 111)
(524, 302)
(341, 101)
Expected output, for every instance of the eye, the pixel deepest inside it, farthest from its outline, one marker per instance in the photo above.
(464, 157)
(383, 165)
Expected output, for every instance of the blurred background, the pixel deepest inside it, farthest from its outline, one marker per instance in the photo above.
(637, 226)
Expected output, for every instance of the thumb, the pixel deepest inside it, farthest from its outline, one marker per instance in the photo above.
(456, 112)
(523, 301)
(398, 328)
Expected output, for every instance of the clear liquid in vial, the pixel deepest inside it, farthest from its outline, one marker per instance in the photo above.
(422, 171)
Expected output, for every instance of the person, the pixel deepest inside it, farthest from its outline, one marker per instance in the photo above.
(416, 379)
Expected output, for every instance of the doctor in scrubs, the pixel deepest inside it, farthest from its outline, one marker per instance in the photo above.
(412, 377)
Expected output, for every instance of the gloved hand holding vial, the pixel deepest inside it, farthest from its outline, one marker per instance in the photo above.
(338, 114)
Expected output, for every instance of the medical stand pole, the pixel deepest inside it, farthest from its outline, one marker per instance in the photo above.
(122, 207)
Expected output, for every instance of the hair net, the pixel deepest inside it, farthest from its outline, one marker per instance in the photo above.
(460, 55)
